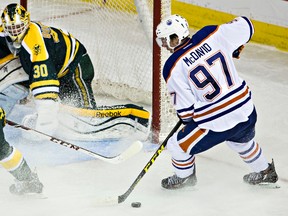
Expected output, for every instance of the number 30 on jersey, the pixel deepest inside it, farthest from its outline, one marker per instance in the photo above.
(40, 71)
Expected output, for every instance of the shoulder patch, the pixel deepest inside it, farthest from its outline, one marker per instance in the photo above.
(34, 43)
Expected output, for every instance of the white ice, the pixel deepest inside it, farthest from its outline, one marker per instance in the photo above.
(74, 182)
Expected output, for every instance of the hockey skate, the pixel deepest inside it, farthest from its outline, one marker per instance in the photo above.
(267, 176)
(32, 186)
(175, 182)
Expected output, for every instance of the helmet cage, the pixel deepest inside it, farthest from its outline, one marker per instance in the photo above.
(15, 30)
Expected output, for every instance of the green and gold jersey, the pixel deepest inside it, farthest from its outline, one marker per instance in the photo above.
(5, 53)
(46, 54)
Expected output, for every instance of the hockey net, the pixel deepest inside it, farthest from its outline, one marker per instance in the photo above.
(119, 38)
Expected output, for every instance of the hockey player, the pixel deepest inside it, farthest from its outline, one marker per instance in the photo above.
(59, 70)
(13, 161)
(54, 61)
(210, 98)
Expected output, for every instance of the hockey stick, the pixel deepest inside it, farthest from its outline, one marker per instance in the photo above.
(123, 197)
(132, 150)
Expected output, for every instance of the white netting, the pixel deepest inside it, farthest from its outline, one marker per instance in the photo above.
(118, 37)
(112, 35)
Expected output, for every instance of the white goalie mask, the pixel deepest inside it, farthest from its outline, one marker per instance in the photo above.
(174, 24)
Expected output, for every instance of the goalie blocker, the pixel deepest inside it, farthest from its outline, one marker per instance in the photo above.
(115, 121)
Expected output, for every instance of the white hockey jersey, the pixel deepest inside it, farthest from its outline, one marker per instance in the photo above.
(202, 79)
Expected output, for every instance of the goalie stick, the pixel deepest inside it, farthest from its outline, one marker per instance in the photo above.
(123, 197)
(129, 152)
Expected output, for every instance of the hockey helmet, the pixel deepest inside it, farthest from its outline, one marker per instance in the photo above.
(15, 22)
(174, 24)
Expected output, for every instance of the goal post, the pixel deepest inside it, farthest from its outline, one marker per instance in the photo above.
(120, 39)
(156, 69)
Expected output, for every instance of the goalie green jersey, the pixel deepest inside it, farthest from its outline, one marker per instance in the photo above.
(48, 54)
(5, 53)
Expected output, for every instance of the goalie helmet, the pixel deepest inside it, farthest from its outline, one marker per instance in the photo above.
(15, 22)
(174, 24)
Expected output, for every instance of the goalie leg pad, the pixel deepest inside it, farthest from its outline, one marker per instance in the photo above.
(90, 128)
(7, 103)
(11, 72)
(114, 122)
(16, 92)
(131, 111)
(11, 95)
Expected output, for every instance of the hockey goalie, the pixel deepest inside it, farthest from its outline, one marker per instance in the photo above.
(75, 123)
(55, 68)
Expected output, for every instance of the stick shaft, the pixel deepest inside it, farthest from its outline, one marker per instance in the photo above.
(124, 196)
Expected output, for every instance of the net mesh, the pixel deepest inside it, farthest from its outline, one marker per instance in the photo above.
(118, 36)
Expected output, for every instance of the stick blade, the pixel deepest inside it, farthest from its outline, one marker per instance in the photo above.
(107, 201)
(129, 152)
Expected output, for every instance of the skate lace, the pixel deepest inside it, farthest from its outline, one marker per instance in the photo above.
(175, 180)
(254, 176)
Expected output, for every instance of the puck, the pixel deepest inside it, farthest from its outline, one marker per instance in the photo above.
(136, 204)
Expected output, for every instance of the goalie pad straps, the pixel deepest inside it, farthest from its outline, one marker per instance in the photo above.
(128, 110)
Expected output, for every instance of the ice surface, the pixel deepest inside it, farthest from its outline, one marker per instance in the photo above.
(74, 182)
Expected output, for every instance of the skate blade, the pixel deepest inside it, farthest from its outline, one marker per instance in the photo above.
(269, 185)
(32, 196)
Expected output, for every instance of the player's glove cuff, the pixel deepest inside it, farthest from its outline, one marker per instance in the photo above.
(236, 53)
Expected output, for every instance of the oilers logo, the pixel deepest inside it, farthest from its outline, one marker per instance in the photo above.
(169, 22)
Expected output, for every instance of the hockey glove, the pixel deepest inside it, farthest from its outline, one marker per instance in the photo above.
(236, 53)
(182, 121)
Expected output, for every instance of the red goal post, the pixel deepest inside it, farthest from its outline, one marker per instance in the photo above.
(119, 36)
